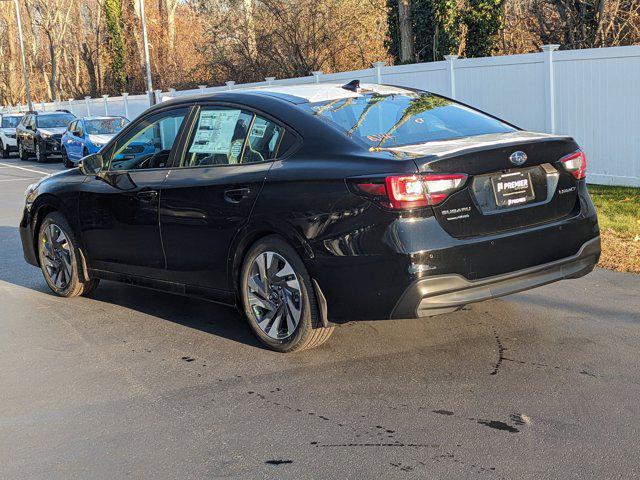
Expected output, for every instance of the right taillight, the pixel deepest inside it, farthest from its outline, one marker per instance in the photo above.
(405, 192)
(576, 164)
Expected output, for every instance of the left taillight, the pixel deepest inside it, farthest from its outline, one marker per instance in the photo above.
(576, 164)
(405, 192)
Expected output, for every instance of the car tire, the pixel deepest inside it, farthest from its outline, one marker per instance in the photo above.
(22, 153)
(4, 150)
(278, 298)
(65, 159)
(59, 255)
(40, 157)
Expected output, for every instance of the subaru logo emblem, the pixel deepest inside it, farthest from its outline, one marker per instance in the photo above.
(518, 158)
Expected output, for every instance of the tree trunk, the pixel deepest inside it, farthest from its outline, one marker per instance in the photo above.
(52, 79)
(250, 29)
(406, 31)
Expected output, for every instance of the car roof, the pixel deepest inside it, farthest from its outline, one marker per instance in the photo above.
(322, 92)
(101, 117)
(298, 94)
(40, 114)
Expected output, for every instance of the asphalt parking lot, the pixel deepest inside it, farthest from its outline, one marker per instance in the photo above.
(132, 383)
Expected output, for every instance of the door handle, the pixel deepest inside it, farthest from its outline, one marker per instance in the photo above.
(148, 195)
(236, 195)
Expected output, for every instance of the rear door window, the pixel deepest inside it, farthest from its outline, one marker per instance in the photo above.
(263, 141)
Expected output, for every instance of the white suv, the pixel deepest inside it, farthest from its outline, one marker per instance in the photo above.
(8, 123)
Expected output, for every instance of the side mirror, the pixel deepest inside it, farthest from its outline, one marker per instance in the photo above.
(92, 164)
(29, 127)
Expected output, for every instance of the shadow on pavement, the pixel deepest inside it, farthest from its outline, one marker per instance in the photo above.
(193, 313)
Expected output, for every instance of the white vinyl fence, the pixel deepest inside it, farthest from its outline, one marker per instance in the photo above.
(592, 95)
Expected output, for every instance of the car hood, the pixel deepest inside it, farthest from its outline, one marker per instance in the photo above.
(9, 131)
(100, 139)
(53, 130)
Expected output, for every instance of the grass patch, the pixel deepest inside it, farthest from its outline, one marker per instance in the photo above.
(619, 217)
(618, 209)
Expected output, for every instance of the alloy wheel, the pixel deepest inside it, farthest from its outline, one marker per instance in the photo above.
(56, 256)
(274, 295)
(38, 157)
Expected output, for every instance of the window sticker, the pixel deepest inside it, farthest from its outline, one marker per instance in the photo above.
(215, 131)
(258, 130)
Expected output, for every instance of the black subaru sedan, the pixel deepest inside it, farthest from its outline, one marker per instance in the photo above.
(309, 205)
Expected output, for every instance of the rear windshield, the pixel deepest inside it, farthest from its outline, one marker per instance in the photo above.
(386, 121)
(105, 126)
(10, 122)
(53, 121)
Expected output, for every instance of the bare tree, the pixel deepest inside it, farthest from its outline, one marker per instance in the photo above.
(406, 31)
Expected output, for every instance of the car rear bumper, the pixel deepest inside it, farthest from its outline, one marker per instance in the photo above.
(446, 293)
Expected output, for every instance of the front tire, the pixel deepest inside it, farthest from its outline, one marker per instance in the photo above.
(59, 255)
(65, 159)
(278, 298)
(4, 150)
(41, 157)
(22, 153)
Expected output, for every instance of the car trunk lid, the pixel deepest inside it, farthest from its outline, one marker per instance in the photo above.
(515, 180)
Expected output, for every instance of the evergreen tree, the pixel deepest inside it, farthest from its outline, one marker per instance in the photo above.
(484, 20)
(116, 76)
(437, 28)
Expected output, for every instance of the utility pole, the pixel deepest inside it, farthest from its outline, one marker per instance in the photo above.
(146, 53)
(24, 59)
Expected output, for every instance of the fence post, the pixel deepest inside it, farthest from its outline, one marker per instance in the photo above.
(42, 106)
(451, 74)
(269, 80)
(125, 101)
(106, 106)
(86, 102)
(549, 87)
(202, 87)
(230, 84)
(316, 74)
(158, 95)
(172, 92)
(71, 105)
(378, 66)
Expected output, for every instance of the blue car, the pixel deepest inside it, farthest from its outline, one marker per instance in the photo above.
(88, 135)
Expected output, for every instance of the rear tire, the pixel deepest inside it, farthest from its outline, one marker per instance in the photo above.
(59, 255)
(278, 298)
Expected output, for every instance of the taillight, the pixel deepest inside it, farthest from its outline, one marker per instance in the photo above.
(440, 186)
(405, 192)
(576, 164)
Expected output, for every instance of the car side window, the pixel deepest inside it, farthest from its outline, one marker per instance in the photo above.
(263, 141)
(78, 132)
(149, 143)
(218, 138)
(72, 127)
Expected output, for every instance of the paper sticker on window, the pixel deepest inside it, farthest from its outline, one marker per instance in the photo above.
(215, 131)
(258, 130)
